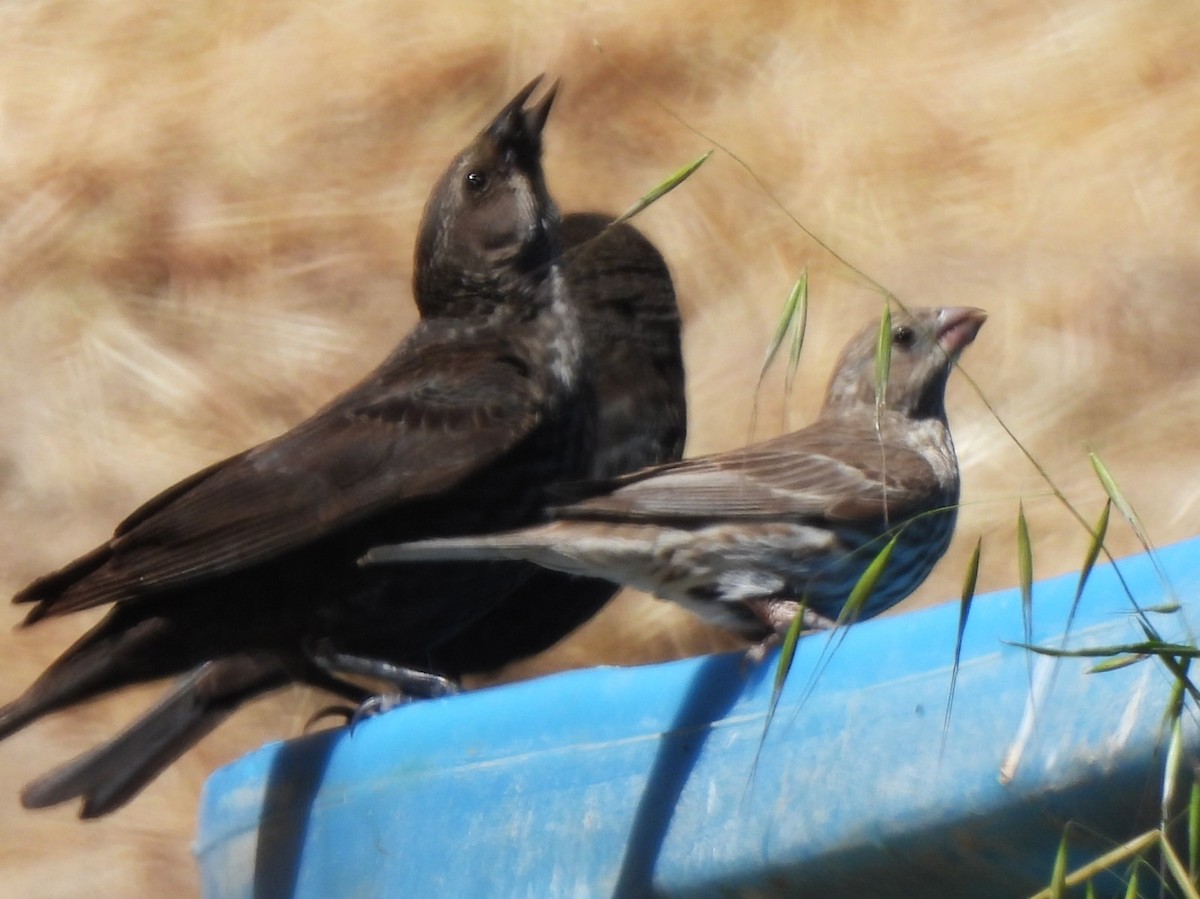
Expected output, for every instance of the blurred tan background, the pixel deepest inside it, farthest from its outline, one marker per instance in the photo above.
(207, 214)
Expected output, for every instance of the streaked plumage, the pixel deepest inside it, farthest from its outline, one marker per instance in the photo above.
(741, 537)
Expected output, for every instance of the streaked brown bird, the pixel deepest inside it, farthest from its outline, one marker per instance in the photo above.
(233, 571)
(742, 538)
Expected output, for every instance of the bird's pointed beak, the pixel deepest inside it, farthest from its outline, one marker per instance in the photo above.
(535, 118)
(515, 124)
(957, 327)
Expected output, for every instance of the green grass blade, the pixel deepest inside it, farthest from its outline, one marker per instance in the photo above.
(663, 189)
(1125, 507)
(865, 586)
(1058, 877)
(1166, 608)
(859, 594)
(883, 360)
(1131, 849)
(1131, 889)
(1194, 832)
(795, 309)
(1145, 647)
(800, 317)
(1117, 664)
(1089, 562)
(1171, 770)
(964, 610)
(1089, 890)
(787, 654)
(1025, 573)
(1177, 870)
(1179, 668)
(784, 324)
(1119, 500)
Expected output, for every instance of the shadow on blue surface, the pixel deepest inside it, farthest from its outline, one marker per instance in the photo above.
(291, 788)
(717, 683)
(636, 782)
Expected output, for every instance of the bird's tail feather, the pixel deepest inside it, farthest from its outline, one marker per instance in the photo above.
(110, 775)
(112, 654)
(457, 549)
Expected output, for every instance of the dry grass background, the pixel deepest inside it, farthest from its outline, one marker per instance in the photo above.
(207, 212)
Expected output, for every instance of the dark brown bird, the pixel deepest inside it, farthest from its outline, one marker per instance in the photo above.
(621, 290)
(230, 572)
(743, 537)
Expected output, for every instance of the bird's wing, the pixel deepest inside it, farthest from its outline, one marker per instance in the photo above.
(433, 415)
(829, 472)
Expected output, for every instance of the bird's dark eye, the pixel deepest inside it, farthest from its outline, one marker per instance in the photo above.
(477, 181)
(903, 336)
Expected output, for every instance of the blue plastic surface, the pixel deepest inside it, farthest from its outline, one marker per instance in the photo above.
(643, 781)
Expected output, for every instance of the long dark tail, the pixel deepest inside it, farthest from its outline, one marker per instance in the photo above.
(107, 777)
(117, 652)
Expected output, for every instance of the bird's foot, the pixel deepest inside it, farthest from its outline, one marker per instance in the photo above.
(431, 686)
(402, 684)
(778, 615)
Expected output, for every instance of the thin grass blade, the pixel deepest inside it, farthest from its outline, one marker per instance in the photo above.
(1175, 866)
(800, 317)
(1131, 889)
(786, 320)
(1117, 664)
(1089, 562)
(1125, 507)
(1146, 647)
(1179, 668)
(970, 579)
(1131, 849)
(861, 592)
(787, 654)
(797, 304)
(883, 360)
(664, 188)
(1109, 483)
(1194, 832)
(1058, 877)
(865, 585)
(1025, 573)
(1171, 771)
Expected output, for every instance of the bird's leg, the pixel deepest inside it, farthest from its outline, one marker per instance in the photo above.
(404, 684)
(410, 682)
(778, 615)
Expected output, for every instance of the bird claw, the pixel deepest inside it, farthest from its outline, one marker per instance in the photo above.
(778, 615)
(377, 705)
(434, 687)
(351, 716)
(404, 685)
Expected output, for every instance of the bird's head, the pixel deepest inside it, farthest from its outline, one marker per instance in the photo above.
(490, 220)
(924, 346)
